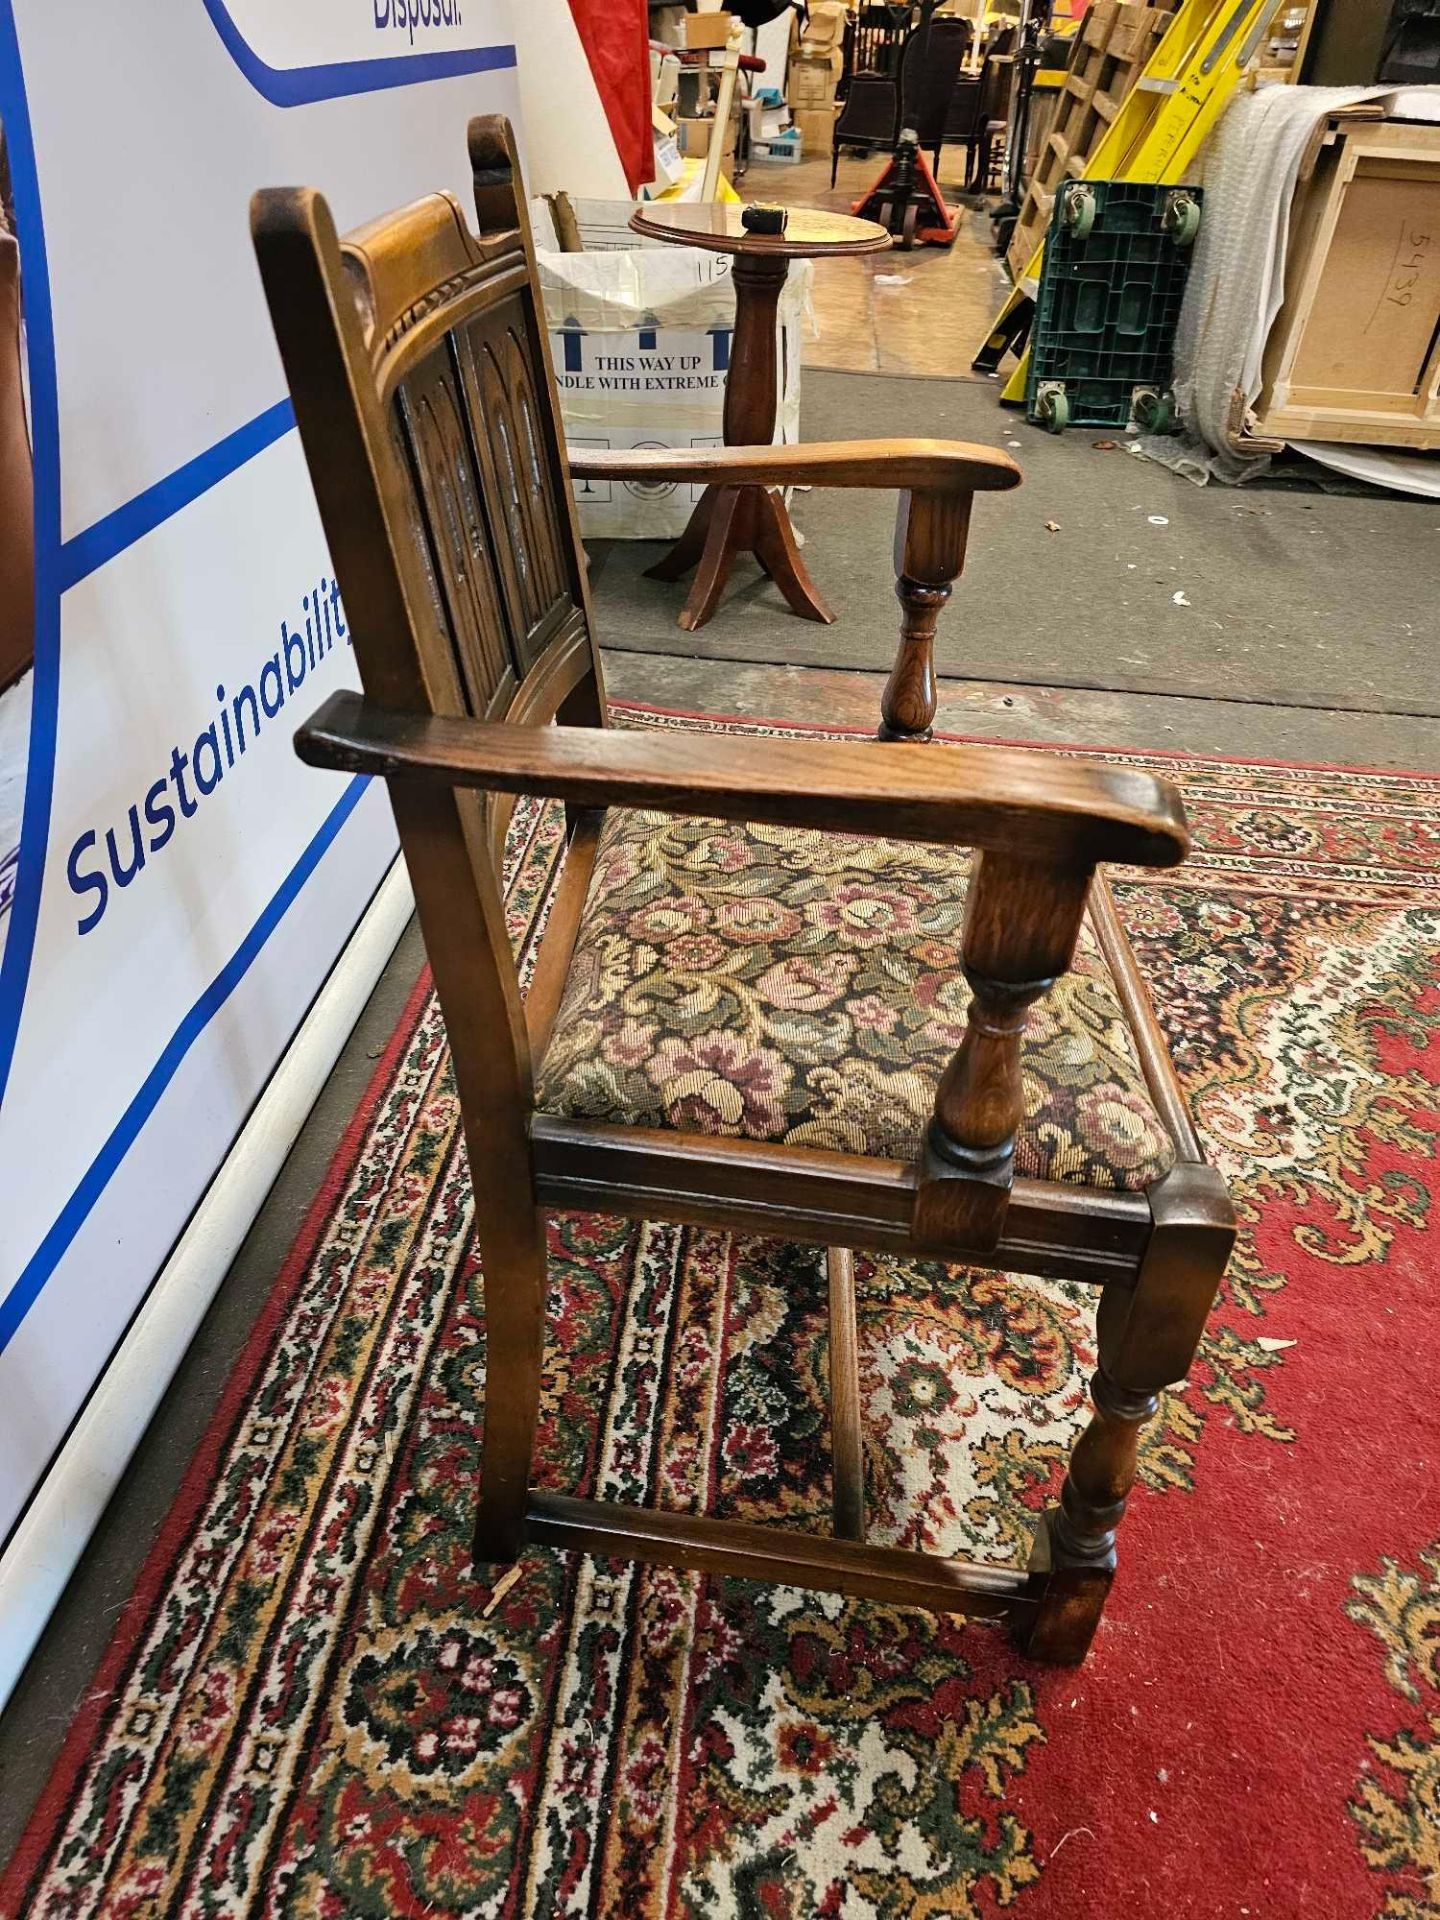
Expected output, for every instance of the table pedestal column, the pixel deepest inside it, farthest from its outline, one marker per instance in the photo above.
(734, 520)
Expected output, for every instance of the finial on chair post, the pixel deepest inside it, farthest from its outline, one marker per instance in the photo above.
(930, 535)
(495, 170)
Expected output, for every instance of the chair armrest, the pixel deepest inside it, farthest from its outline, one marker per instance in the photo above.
(937, 481)
(915, 466)
(1031, 806)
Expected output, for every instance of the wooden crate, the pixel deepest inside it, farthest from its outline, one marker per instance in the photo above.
(1111, 51)
(1354, 353)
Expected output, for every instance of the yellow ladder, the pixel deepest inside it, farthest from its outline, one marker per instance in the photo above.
(1161, 126)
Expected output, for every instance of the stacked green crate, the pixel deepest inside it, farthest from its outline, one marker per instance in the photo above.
(1116, 260)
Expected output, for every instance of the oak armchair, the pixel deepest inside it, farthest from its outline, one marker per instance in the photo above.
(416, 355)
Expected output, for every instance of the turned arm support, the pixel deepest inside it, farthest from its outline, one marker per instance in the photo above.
(1005, 800)
(1022, 919)
(931, 531)
(937, 481)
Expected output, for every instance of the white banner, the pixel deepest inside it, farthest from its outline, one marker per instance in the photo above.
(325, 34)
(184, 884)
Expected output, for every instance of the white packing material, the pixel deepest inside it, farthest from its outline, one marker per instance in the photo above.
(1250, 167)
(641, 336)
(1237, 277)
(1415, 473)
(542, 222)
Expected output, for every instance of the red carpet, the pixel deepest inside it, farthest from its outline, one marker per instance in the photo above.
(308, 1710)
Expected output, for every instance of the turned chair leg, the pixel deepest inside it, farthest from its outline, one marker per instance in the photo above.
(1147, 1340)
(1075, 1546)
(516, 1284)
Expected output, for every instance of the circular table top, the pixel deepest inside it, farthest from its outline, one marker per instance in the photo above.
(808, 232)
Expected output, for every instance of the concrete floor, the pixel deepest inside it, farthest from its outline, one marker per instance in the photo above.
(868, 331)
(1101, 573)
(999, 710)
(1301, 605)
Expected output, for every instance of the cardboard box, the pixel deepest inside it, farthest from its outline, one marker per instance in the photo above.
(669, 161)
(641, 334)
(812, 82)
(1354, 353)
(693, 138)
(817, 131)
(667, 25)
(825, 29)
(707, 32)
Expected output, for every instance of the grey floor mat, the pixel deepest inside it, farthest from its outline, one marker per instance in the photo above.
(1150, 584)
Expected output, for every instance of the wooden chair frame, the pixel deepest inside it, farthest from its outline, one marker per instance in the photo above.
(416, 354)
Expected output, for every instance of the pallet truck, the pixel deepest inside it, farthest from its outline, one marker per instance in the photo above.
(906, 200)
(1157, 133)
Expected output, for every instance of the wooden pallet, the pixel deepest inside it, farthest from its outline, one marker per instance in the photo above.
(1110, 53)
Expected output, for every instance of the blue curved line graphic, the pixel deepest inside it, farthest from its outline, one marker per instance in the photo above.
(45, 440)
(299, 86)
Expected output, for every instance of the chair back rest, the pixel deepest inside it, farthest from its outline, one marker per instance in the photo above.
(880, 32)
(996, 78)
(419, 367)
(929, 69)
(870, 114)
(962, 117)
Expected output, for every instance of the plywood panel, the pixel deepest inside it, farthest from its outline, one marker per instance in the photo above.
(1374, 318)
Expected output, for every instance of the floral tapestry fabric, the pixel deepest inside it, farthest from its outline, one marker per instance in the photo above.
(776, 984)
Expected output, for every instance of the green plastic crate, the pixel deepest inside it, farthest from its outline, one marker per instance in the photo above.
(1117, 256)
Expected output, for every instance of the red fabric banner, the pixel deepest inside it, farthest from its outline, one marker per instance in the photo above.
(616, 35)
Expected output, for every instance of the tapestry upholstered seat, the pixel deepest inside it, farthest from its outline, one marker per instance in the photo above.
(779, 984)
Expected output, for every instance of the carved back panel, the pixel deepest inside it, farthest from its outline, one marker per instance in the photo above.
(467, 421)
(418, 362)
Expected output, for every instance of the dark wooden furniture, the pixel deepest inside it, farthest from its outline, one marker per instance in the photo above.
(416, 355)
(929, 75)
(962, 120)
(869, 90)
(869, 119)
(992, 115)
(879, 37)
(730, 519)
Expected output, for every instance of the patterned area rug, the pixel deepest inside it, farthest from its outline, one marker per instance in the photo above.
(311, 1709)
